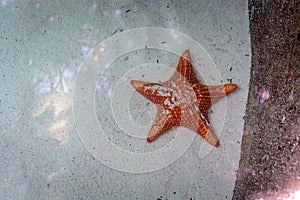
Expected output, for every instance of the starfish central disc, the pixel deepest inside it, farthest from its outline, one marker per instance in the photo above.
(183, 101)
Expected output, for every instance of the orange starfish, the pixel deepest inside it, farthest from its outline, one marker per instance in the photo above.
(183, 101)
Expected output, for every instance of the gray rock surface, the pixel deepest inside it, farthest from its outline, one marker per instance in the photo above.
(270, 161)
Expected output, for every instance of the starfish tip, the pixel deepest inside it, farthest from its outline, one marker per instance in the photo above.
(235, 86)
(229, 88)
(150, 139)
(136, 84)
(217, 144)
(186, 54)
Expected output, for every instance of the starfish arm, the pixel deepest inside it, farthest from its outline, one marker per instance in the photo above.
(203, 95)
(219, 91)
(155, 92)
(184, 70)
(164, 121)
(212, 93)
(198, 121)
(206, 131)
(211, 137)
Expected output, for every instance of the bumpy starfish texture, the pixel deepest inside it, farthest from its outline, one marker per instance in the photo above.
(183, 101)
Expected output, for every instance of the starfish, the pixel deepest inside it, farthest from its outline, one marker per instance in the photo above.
(183, 101)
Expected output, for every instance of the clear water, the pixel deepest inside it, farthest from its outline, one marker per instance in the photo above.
(72, 126)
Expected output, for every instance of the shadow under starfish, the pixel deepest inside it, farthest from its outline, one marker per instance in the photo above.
(183, 101)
